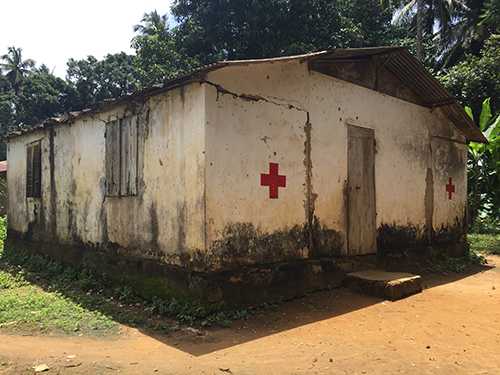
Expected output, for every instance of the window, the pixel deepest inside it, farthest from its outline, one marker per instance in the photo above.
(34, 170)
(121, 157)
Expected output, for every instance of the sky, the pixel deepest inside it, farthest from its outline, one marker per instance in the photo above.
(52, 31)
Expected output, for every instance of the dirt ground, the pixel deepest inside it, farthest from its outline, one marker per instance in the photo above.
(453, 327)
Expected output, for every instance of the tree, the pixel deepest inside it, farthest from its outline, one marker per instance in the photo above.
(29, 94)
(95, 80)
(476, 77)
(152, 24)
(15, 67)
(43, 95)
(6, 105)
(238, 29)
(158, 55)
(436, 18)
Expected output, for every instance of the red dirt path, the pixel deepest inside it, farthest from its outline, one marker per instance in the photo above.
(453, 327)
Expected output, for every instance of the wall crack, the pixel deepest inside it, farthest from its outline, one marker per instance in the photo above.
(254, 98)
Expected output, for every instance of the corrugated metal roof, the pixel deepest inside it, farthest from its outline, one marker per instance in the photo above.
(400, 62)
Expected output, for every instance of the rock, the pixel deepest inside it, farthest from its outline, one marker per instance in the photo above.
(41, 368)
(75, 364)
(195, 331)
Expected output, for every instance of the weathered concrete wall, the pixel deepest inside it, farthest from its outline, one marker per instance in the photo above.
(407, 159)
(24, 212)
(165, 219)
(200, 198)
(283, 113)
(252, 122)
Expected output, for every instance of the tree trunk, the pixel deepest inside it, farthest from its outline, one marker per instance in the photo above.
(420, 30)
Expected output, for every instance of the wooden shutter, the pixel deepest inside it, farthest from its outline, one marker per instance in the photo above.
(37, 170)
(34, 170)
(29, 171)
(128, 183)
(113, 159)
(121, 157)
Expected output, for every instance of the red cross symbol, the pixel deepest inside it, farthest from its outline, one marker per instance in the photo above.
(450, 188)
(273, 180)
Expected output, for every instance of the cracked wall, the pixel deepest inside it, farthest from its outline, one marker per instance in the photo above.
(252, 122)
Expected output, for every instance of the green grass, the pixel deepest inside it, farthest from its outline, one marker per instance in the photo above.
(485, 243)
(40, 295)
(28, 307)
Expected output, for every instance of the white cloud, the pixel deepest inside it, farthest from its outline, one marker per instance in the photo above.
(52, 31)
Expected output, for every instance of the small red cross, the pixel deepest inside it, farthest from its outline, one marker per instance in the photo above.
(273, 180)
(450, 188)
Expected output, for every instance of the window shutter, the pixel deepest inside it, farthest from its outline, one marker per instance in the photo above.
(125, 125)
(37, 170)
(113, 158)
(121, 157)
(29, 171)
(132, 154)
(128, 181)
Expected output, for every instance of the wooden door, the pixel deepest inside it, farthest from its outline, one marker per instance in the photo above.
(361, 221)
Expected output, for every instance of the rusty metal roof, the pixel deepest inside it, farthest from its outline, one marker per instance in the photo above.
(399, 61)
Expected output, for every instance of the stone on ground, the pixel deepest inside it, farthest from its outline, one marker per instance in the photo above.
(383, 284)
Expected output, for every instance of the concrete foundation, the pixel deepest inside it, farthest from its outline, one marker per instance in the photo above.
(251, 285)
(383, 284)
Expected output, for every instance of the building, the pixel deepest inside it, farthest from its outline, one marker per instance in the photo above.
(249, 173)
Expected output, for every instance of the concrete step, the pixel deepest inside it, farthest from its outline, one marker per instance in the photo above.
(383, 284)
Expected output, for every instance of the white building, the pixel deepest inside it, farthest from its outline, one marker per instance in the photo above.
(251, 163)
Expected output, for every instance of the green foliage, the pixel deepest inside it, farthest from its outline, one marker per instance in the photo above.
(237, 29)
(490, 15)
(93, 80)
(42, 95)
(15, 68)
(484, 167)
(442, 263)
(485, 225)
(158, 56)
(476, 77)
(485, 243)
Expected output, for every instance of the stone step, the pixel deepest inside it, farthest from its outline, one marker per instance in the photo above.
(383, 284)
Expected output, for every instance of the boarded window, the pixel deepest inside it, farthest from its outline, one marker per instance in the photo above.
(34, 170)
(121, 157)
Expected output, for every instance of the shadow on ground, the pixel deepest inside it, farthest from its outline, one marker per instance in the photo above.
(259, 323)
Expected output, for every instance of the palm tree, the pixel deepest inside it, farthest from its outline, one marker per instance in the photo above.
(437, 18)
(152, 24)
(15, 67)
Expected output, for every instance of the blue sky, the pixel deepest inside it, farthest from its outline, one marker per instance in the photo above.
(52, 31)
